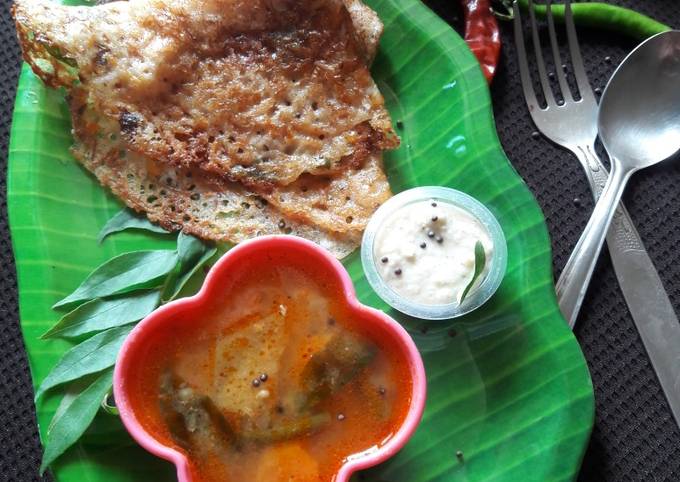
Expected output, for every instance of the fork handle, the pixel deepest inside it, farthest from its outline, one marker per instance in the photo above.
(578, 271)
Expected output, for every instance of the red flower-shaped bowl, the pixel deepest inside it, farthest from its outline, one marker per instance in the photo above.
(217, 284)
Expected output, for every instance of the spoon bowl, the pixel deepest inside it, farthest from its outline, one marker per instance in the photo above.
(639, 125)
(639, 116)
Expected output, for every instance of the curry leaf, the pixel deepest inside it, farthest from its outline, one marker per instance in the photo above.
(124, 273)
(92, 355)
(72, 420)
(101, 314)
(72, 391)
(193, 253)
(480, 262)
(55, 52)
(128, 219)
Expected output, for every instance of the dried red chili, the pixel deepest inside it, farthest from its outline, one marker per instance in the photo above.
(482, 34)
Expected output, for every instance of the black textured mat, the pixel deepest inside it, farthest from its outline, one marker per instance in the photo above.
(19, 444)
(635, 437)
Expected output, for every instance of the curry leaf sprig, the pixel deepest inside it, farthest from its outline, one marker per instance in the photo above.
(102, 312)
(480, 263)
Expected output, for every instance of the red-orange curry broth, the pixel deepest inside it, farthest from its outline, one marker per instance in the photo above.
(279, 381)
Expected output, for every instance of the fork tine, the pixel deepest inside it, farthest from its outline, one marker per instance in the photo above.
(525, 76)
(543, 76)
(564, 86)
(584, 87)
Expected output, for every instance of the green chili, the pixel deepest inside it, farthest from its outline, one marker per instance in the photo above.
(604, 16)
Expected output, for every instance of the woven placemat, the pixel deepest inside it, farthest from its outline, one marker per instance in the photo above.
(19, 444)
(635, 437)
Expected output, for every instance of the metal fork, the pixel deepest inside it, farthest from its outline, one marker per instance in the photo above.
(572, 124)
(569, 123)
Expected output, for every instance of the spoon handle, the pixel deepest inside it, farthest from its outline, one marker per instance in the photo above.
(573, 283)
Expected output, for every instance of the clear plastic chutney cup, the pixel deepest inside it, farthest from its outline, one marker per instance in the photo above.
(442, 198)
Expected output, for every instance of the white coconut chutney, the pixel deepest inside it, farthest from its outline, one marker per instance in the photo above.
(425, 252)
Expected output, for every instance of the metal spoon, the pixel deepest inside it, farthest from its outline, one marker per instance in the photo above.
(639, 125)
